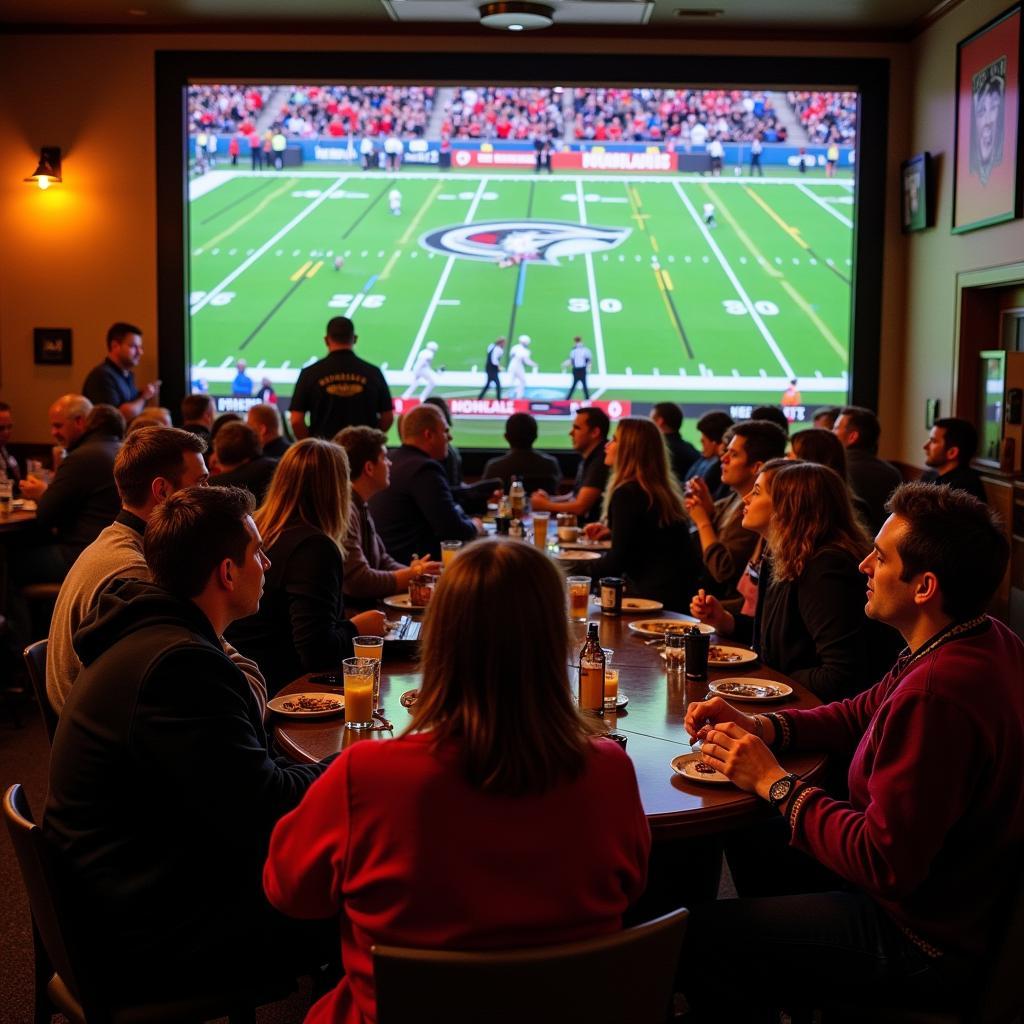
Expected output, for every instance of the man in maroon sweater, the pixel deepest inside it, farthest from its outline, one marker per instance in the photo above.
(922, 849)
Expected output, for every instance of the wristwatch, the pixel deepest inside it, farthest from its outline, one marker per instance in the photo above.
(781, 788)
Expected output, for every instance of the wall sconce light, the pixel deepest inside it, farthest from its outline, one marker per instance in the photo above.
(48, 170)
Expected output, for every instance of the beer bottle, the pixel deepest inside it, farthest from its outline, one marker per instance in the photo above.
(517, 497)
(591, 692)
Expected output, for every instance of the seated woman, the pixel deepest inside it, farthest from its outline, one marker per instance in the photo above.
(816, 444)
(301, 626)
(647, 524)
(809, 620)
(497, 820)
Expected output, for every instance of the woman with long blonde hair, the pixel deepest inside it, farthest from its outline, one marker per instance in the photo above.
(645, 519)
(301, 626)
(809, 619)
(498, 795)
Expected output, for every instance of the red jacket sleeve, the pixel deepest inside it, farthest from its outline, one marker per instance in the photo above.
(308, 849)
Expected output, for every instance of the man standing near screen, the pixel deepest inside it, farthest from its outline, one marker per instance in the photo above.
(579, 362)
(113, 381)
(341, 390)
(492, 367)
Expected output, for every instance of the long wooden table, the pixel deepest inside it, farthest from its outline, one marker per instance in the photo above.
(652, 723)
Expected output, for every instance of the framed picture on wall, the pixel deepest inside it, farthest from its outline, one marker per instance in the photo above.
(916, 206)
(987, 174)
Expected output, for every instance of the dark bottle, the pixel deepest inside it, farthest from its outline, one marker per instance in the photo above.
(591, 691)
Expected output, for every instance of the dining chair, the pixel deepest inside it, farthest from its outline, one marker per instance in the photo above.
(61, 986)
(1000, 995)
(628, 976)
(35, 663)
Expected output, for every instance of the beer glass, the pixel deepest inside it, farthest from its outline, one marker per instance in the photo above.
(359, 681)
(540, 529)
(579, 597)
(611, 681)
(449, 549)
(371, 647)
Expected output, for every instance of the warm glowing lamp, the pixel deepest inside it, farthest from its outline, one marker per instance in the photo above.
(48, 170)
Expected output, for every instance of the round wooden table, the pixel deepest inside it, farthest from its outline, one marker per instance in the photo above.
(652, 723)
(18, 521)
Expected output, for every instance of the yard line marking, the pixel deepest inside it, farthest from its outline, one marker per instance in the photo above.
(386, 272)
(740, 233)
(248, 262)
(837, 346)
(245, 218)
(595, 313)
(439, 290)
(755, 316)
(414, 223)
(664, 288)
(235, 202)
(842, 218)
(312, 271)
(298, 273)
(520, 291)
(793, 232)
(373, 202)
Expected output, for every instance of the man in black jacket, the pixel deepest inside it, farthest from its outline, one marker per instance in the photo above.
(951, 445)
(418, 510)
(537, 469)
(871, 478)
(668, 418)
(162, 790)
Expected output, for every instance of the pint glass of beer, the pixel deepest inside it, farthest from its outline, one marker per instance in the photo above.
(449, 549)
(359, 679)
(371, 647)
(579, 597)
(540, 529)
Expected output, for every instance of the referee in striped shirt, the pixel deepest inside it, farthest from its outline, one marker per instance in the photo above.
(579, 360)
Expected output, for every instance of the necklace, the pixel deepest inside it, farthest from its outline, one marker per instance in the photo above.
(906, 659)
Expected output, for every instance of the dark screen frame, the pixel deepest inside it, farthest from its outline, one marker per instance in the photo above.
(176, 69)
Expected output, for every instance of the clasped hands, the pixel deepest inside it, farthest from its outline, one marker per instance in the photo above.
(730, 745)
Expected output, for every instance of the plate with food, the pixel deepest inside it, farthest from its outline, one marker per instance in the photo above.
(692, 767)
(404, 602)
(641, 604)
(585, 545)
(750, 689)
(307, 705)
(659, 627)
(576, 555)
(721, 655)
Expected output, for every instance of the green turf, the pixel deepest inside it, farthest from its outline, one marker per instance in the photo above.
(765, 292)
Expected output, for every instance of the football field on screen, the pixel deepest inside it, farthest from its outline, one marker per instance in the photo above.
(670, 305)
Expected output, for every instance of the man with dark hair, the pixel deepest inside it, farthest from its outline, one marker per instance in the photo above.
(589, 434)
(265, 419)
(370, 572)
(711, 428)
(726, 546)
(81, 499)
(163, 791)
(105, 419)
(871, 478)
(113, 381)
(418, 510)
(773, 414)
(537, 470)
(341, 390)
(933, 803)
(579, 362)
(241, 460)
(197, 415)
(492, 367)
(8, 463)
(948, 451)
(825, 417)
(668, 418)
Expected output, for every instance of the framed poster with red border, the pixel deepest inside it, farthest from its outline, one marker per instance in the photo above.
(987, 169)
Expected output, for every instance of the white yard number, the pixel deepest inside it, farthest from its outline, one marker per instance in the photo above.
(220, 299)
(344, 300)
(736, 308)
(605, 305)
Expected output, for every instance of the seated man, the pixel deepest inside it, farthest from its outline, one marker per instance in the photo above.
(589, 434)
(197, 414)
(668, 418)
(711, 430)
(151, 416)
(951, 445)
(871, 478)
(933, 808)
(241, 461)
(538, 470)
(8, 463)
(266, 421)
(418, 511)
(370, 572)
(163, 791)
(149, 468)
(81, 499)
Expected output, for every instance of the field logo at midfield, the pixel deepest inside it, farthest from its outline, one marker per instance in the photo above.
(522, 241)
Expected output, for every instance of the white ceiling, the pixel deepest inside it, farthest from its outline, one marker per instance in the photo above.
(861, 18)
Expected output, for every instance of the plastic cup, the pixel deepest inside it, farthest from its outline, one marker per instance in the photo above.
(359, 675)
(371, 647)
(579, 597)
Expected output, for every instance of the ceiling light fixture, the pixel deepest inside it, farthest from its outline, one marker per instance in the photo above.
(516, 17)
(48, 170)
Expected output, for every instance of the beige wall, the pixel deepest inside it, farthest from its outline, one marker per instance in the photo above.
(83, 254)
(935, 257)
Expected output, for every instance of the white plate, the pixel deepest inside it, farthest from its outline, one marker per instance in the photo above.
(641, 604)
(682, 764)
(738, 656)
(585, 545)
(576, 556)
(404, 602)
(770, 689)
(278, 705)
(659, 627)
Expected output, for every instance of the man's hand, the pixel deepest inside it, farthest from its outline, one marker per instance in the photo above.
(718, 711)
(708, 608)
(369, 623)
(420, 566)
(32, 487)
(741, 756)
(151, 390)
(698, 495)
(479, 524)
(596, 531)
(540, 502)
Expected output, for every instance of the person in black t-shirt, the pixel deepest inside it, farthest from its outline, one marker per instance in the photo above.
(949, 449)
(341, 390)
(113, 382)
(589, 434)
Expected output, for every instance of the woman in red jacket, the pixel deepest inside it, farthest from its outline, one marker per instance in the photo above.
(496, 821)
